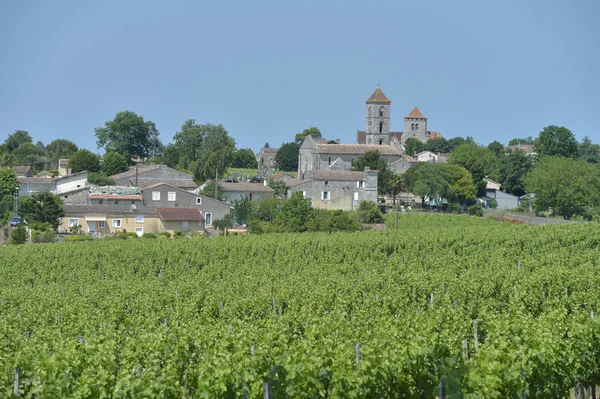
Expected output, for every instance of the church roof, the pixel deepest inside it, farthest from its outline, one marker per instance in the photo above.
(355, 149)
(415, 113)
(361, 136)
(378, 97)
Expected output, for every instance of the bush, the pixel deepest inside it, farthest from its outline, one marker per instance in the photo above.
(493, 204)
(164, 234)
(148, 235)
(221, 224)
(329, 221)
(178, 234)
(78, 238)
(476, 210)
(38, 236)
(19, 235)
(369, 212)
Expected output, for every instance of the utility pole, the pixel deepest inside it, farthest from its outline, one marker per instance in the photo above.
(16, 204)
(216, 184)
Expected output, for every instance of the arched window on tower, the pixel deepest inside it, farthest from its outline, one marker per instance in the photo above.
(416, 126)
(412, 126)
(381, 111)
(380, 141)
(380, 127)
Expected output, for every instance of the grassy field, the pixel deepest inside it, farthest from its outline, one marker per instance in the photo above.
(471, 307)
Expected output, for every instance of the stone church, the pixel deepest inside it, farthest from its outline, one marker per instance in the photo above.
(377, 136)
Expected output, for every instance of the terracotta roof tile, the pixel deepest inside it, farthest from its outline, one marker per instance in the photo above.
(435, 135)
(378, 97)
(415, 113)
(171, 214)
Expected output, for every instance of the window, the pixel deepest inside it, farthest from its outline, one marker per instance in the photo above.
(139, 231)
(355, 196)
(116, 202)
(380, 141)
(198, 200)
(184, 224)
(326, 182)
(304, 194)
(101, 224)
(116, 223)
(360, 184)
(100, 201)
(380, 127)
(416, 126)
(325, 195)
(155, 195)
(250, 195)
(172, 196)
(329, 161)
(139, 218)
(73, 222)
(208, 219)
(381, 111)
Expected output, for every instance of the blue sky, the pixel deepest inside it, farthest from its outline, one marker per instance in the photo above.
(268, 69)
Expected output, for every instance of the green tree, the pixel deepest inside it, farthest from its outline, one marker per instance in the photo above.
(244, 209)
(313, 131)
(114, 163)
(13, 141)
(84, 160)
(100, 179)
(460, 184)
(496, 148)
(189, 140)
(479, 161)
(369, 212)
(413, 146)
(295, 213)
(42, 207)
(171, 156)
(512, 168)
(29, 154)
(556, 141)
(19, 235)
(215, 154)
(527, 140)
(209, 191)
(130, 135)
(268, 209)
(279, 187)
(287, 157)
(438, 144)
(456, 141)
(60, 149)
(566, 186)
(244, 158)
(372, 160)
(430, 181)
(8, 182)
(589, 151)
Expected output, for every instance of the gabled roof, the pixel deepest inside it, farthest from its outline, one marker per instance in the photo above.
(294, 182)
(34, 180)
(357, 149)
(175, 214)
(24, 171)
(378, 97)
(246, 187)
(45, 173)
(337, 175)
(435, 135)
(415, 113)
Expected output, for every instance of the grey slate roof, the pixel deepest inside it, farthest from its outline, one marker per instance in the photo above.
(246, 187)
(358, 149)
(337, 175)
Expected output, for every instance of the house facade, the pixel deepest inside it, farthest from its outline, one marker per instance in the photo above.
(333, 189)
(110, 219)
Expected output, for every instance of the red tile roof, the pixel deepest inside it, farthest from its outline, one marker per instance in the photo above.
(415, 113)
(171, 214)
(378, 97)
(435, 135)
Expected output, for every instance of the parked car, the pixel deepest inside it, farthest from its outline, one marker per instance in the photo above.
(16, 220)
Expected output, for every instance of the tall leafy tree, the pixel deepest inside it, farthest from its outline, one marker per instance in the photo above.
(295, 213)
(8, 182)
(496, 148)
(567, 186)
(438, 144)
(16, 139)
(479, 161)
(512, 168)
(517, 141)
(413, 146)
(188, 141)
(114, 163)
(589, 151)
(556, 141)
(29, 154)
(60, 149)
(244, 158)
(84, 160)
(130, 135)
(313, 131)
(171, 156)
(42, 207)
(215, 153)
(287, 157)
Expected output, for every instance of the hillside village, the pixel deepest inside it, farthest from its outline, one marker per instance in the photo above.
(155, 194)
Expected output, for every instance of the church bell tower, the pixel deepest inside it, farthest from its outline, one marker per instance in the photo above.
(378, 119)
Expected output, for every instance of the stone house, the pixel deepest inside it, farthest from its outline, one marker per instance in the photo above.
(165, 196)
(110, 219)
(266, 162)
(70, 182)
(337, 189)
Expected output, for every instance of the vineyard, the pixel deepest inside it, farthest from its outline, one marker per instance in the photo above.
(448, 306)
